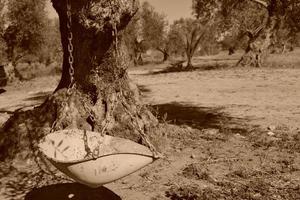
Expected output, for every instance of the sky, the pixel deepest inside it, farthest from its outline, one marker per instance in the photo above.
(173, 9)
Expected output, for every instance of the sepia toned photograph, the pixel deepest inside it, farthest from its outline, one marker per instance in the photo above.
(149, 99)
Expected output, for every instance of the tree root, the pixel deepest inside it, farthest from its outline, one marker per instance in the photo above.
(117, 115)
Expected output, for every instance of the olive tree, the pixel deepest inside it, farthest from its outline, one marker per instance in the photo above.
(23, 30)
(94, 92)
(187, 35)
(262, 35)
(147, 30)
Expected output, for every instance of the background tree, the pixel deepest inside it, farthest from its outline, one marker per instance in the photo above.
(234, 25)
(262, 35)
(134, 41)
(51, 50)
(154, 30)
(187, 34)
(2, 28)
(176, 42)
(24, 28)
(147, 30)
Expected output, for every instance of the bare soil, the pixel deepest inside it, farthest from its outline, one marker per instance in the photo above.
(233, 134)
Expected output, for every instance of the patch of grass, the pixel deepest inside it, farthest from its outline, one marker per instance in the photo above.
(244, 173)
(284, 139)
(193, 193)
(36, 69)
(194, 171)
(255, 189)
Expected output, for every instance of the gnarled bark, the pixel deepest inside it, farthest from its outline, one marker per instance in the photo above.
(104, 99)
(260, 40)
(257, 47)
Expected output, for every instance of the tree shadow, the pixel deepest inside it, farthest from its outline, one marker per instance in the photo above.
(176, 68)
(39, 96)
(200, 117)
(72, 191)
(143, 89)
(2, 90)
(28, 103)
(7, 112)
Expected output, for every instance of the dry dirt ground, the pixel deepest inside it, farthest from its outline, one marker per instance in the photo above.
(233, 134)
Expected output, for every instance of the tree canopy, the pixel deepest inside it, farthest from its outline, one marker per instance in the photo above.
(264, 22)
(27, 35)
(187, 34)
(147, 30)
(25, 27)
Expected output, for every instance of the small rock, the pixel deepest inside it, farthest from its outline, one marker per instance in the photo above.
(193, 156)
(212, 131)
(239, 136)
(271, 128)
(270, 133)
(70, 196)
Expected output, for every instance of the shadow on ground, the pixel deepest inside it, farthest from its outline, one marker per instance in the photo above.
(199, 117)
(2, 90)
(39, 96)
(175, 68)
(143, 89)
(28, 103)
(72, 191)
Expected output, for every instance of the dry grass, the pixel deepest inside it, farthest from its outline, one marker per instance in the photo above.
(216, 124)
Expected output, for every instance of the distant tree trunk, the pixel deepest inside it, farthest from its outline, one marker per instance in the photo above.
(13, 62)
(189, 54)
(231, 50)
(189, 62)
(10, 39)
(165, 53)
(104, 99)
(260, 40)
(138, 59)
(192, 44)
(166, 56)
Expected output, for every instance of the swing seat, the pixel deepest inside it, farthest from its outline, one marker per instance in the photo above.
(92, 159)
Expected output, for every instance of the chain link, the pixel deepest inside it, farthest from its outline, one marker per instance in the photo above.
(70, 47)
(145, 138)
(71, 85)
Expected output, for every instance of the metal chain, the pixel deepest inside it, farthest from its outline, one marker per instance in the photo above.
(156, 154)
(70, 62)
(71, 85)
(70, 47)
(145, 138)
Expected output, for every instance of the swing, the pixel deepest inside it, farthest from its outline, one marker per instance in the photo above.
(93, 158)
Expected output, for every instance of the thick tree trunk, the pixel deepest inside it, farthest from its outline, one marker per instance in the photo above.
(231, 50)
(166, 56)
(104, 99)
(189, 62)
(15, 74)
(165, 53)
(257, 49)
(260, 41)
(139, 59)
